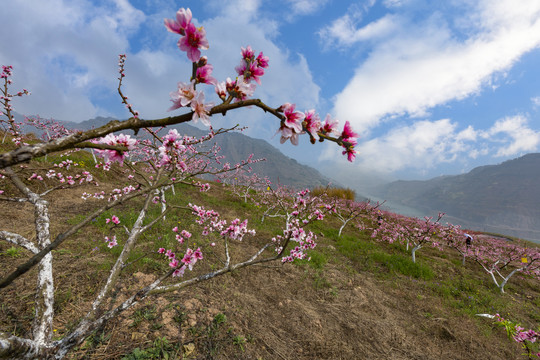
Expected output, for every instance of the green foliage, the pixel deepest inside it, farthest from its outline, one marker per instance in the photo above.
(316, 260)
(397, 263)
(96, 339)
(239, 340)
(355, 249)
(161, 349)
(13, 252)
(220, 319)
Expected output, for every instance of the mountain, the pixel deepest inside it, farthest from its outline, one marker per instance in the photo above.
(237, 147)
(501, 198)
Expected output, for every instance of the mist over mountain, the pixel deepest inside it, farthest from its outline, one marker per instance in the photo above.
(236, 147)
(503, 198)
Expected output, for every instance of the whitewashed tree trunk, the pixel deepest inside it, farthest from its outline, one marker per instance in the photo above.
(44, 301)
(413, 252)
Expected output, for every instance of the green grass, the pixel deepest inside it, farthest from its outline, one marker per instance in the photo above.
(400, 264)
(161, 348)
(13, 252)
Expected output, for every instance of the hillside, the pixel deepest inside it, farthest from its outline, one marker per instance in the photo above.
(357, 297)
(500, 198)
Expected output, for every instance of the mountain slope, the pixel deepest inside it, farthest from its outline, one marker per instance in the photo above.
(502, 198)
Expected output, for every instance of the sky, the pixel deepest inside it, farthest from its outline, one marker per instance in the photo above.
(431, 87)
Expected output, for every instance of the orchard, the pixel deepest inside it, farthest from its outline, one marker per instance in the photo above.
(153, 162)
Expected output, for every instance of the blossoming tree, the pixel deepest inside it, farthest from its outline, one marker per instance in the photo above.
(149, 163)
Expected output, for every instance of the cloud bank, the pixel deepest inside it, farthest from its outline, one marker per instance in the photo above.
(415, 66)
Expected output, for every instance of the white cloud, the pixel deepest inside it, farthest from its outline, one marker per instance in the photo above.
(514, 135)
(286, 72)
(306, 7)
(536, 101)
(343, 31)
(425, 144)
(417, 67)
(63, 51)
(418, 146)
(243, 10)
(66, 54)
(394, 3)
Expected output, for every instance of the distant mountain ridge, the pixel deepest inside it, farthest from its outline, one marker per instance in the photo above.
(503, 198)
(236, 147)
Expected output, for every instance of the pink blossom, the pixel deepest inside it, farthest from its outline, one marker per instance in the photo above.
(203, 75)
(183, 96)
(252, 68)
(247, 53)
(173, 263)
(221, 90)
(172, 139)
(183, 18)
(330, 125)
(200, 109)
(161, 250)
(193, 39)
(198, 254)
(293, 119)
(179, 271)
(288, 134)
(114, 219)
(126, 141)
(351, 153)
(348, 134)
(111, 241)
(237, 230)
(254, 72)
(115, 140)
(244, 88)
(262, 60)
(313, 123)
(191, 257)
(250, 71)
(240, 89)
(181, 166)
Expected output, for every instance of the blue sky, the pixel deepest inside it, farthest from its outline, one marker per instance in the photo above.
(432, 87)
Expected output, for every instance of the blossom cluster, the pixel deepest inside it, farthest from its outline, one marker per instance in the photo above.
(115, 194)
(111, 155)
(251, 69)
(85, 176)
(192, 38)
(189, 259)
(296, 121)
(51, 129)
(183, 236)
(210, 218)
(529, 339)
(5, 100)
(187, 95)
(306, 241)
(237, 230)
